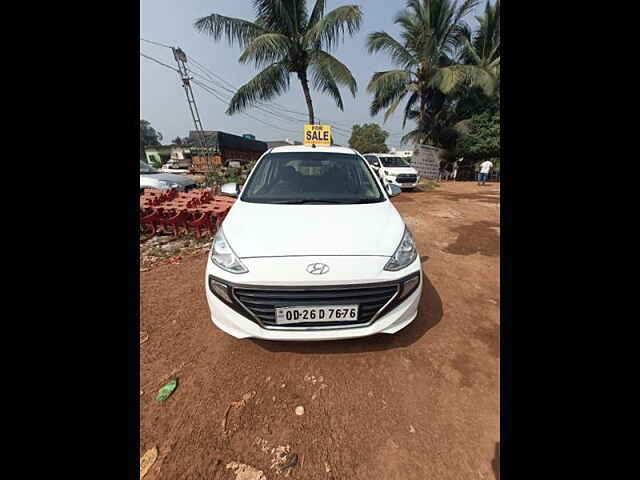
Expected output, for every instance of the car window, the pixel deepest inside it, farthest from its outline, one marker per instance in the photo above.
(372, 160)
(312, 177)
(394, 162)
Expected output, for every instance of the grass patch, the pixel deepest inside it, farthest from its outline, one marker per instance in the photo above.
(428, 185)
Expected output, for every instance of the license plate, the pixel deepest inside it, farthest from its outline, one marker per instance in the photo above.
(333, 313)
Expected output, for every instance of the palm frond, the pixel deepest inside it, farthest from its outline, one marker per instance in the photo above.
(317, 13)
(414, 137)
(322, 79)
(387, 87)
(449, 78)
(269, 83)
(408, 108)
(276, 15)
(330, 29)
(382, 41)
(266, 49)
(234, 29)
(338, 70)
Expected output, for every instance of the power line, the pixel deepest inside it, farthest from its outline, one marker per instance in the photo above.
(212, 92)
(260, 106)
(156, 43)
(216, 94)
(158, 61)
(274, 105)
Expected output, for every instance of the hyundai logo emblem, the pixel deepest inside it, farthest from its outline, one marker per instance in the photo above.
(317, 268)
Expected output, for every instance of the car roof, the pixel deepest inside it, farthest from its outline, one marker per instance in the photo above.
(308, 148)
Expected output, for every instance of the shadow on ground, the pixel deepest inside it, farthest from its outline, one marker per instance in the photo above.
(429, 315)
(495, 463)
(478, 237)
(482, 197)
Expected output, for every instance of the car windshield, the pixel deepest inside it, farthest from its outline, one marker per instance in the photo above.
(393, 162)
(145, 168)
(312, 178)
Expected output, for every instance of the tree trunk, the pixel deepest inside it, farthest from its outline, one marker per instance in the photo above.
(307, 95)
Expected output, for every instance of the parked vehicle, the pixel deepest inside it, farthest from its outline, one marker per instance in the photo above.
(152, 178)
(312, 249)
(394, 170)
(236, 162)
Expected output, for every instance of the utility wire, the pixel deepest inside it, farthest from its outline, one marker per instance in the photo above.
(215, 94)
(264, 108)
(158, 61)
(233, 90)
(156, 43)
(210, 91)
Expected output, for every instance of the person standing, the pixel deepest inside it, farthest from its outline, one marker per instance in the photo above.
(454, 168)
(485, 168)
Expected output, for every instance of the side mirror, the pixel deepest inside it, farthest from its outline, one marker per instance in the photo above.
(230, 189)
(393, 190)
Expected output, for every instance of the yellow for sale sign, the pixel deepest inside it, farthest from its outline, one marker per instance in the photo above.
(317, 135)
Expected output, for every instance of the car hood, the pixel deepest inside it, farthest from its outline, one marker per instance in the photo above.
(399, 170)
(167, 177)
(265, 230)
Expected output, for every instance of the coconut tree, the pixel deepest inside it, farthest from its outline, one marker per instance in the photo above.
(284, 39)
(430, 40)
(480, 54)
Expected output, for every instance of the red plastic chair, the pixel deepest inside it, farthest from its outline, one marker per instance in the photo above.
(201, 219)
(171, 222)
(150, 219)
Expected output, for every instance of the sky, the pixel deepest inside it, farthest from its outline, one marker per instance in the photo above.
(163, 101)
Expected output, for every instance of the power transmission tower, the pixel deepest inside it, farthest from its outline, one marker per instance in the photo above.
(181, 60)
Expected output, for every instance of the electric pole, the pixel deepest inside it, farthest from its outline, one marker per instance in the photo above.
(181, 60)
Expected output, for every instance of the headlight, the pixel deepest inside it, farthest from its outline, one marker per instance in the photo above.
(404, 255)
(223, 255)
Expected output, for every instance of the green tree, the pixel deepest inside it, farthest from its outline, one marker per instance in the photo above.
(481, 139)
(285, 39)
(481, 49)
(369, 138)
(432, 37)
(148, 135)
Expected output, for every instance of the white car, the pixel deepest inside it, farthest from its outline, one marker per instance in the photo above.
(394, 170)
(312, 250)
(152, 178)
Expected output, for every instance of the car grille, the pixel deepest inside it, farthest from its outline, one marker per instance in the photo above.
(407, 178)
(261, 302)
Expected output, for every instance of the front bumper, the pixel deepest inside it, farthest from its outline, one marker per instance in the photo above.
(241, 326)
(393, 181)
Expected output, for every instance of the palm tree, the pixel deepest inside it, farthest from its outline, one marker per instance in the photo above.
(431, 38)
(284, 39)
(482, 50)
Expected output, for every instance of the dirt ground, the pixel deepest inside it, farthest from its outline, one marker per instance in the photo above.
(420, 404)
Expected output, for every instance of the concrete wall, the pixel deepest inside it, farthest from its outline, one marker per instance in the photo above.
(426, 159)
